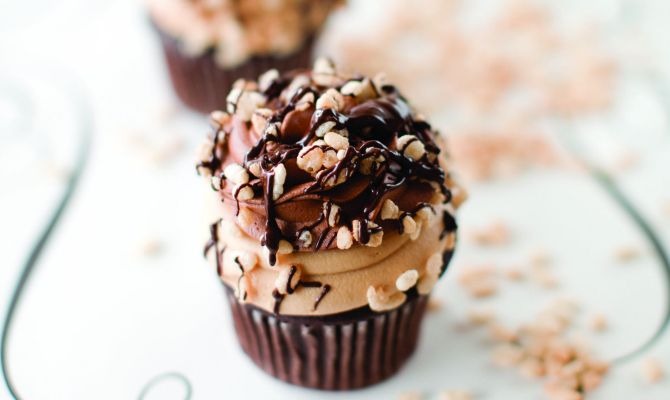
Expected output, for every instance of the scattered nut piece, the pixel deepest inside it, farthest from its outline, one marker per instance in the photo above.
(479, 281)
(626, 254)
(410, 396)
(151, 247)
(455, 395)
(434, 305)
(495, 234)
(480, 317)
(652, 370)
(598, 323)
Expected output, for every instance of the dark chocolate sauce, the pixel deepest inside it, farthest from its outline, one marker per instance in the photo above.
(213, 243)
(324, 292)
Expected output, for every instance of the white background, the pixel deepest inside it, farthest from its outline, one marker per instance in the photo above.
(100, 319)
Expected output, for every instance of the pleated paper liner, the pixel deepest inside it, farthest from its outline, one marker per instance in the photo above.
(348, 351)
(203, 85)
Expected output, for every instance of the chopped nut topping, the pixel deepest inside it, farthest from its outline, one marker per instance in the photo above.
(411, 147)
(390, 210)
(285, 247)
(310, 159)
(379, 299)
(332, 99)
(344, 238)
(260, 118)
(324, 128)
(279, 180)
(255, 169)
(305, 239)
(244, 193)
(336, 141)
(267, 79)
(409, 225)
(407, 280)
(236, 174)
(219, 118)
(333, 211)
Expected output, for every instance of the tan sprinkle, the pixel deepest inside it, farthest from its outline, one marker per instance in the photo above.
(390, 210)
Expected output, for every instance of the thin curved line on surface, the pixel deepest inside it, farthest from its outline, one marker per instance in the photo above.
(85, 137)
(608, 184)
(168, 375)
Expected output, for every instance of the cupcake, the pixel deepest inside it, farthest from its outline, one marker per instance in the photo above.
(334, 220)
(209, 44)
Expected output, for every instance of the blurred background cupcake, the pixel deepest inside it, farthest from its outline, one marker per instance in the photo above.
(208, 44)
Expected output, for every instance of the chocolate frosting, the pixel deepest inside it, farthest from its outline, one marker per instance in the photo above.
(376, 165)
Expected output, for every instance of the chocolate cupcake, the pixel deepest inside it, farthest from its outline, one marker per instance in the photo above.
(335, 219)
(209, 44)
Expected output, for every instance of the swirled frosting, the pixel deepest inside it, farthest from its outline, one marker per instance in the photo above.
(318, 164)
(237, 30)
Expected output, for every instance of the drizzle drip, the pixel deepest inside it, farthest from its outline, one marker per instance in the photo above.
(213, 243)
(324, 292)
(239, 264)
(449, 224)
(278, 299)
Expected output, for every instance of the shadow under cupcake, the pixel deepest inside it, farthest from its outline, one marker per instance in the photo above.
(334, 220)
(209, 44)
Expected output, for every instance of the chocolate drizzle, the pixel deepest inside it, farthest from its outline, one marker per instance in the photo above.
(449, 223)
(324, 291)
(213, 243)
(373, 127)
(239, 280)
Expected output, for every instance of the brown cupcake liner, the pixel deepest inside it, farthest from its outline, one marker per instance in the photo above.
(346, 351)
(203, 85)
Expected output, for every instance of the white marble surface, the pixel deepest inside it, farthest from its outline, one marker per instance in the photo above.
(100, 320)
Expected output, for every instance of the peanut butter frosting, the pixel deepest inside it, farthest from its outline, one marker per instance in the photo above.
(238, 30)
(334, 192)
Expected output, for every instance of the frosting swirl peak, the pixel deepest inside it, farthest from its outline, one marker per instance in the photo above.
(316, 160)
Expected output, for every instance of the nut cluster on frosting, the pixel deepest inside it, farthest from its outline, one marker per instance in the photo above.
(321, 160)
